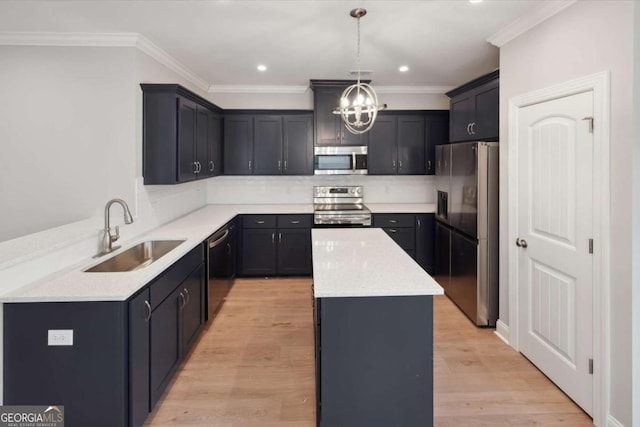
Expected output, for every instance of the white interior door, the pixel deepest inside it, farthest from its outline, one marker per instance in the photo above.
(555, 223)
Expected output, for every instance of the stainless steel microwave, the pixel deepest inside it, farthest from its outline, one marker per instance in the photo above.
(340, 160)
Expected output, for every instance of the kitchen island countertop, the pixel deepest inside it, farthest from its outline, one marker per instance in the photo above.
(364, 262)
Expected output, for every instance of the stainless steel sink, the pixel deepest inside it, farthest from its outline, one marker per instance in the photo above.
(136, 257)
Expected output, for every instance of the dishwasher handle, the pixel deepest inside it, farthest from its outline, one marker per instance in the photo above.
(220, 240)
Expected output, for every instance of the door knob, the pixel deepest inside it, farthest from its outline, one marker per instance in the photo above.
(521, 243)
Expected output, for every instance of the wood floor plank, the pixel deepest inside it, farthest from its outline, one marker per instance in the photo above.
(254, 366)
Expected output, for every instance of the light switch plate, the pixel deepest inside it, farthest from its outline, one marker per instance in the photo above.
(60, 337)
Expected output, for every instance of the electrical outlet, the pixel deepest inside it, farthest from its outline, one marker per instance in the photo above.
(60, 337)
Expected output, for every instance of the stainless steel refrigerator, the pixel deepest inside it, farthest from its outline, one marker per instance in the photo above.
(466, 256)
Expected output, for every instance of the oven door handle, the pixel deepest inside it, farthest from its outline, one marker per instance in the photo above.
(220, 240)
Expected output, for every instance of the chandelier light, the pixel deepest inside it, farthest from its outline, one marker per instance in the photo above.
(359, 103)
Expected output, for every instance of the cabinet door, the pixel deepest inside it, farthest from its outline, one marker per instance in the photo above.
(139, 316)
(202, 140)
(437, 133)
(165, 344)
(382, 146)
(268, 145)
(186, 140)
(298, 145)
(348, 138)
(192, 315)
(411, 145)
(461, 115)
(294, 252)
(404, 237)
(487, 100)
(259, 252)
(425, 240)
(327, 125)
(213, 167)
(238, 145)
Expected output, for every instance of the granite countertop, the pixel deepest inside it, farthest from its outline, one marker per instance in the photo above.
(73, 284)
(365, 262)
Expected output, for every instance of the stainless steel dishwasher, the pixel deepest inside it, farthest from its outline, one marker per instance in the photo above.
(220, 267)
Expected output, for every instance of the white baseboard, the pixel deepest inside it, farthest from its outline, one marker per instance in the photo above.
(502, 331)
(612, 422)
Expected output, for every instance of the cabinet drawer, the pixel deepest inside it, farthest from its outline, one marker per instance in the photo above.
(259, 221)
(404, 237)
(394, 220)
(294, 221)
(162, 286)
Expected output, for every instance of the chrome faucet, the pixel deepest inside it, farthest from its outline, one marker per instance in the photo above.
(108, 238)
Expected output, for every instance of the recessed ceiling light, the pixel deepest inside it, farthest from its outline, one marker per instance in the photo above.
(262, 67)
(403, 69)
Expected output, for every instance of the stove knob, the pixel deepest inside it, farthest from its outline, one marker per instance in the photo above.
(353, 191)
(324, 190)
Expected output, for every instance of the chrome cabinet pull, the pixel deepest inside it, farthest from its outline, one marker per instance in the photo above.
(428, 165)
(295, 221)
(399, 164)
(212, 166)
(279, 238)
(195, 167)
(249, 165)
(279, 165)
(473, 131)
(393, 163)
(186, 292)
(183, 301)
(521, 243)
(393, 230)
(285, 165)
(260, 222)
(393, 221)
(419, 224)
(147, 317)
(273, 238)
(228, 248)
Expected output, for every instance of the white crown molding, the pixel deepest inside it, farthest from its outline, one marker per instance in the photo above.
(257, 89)
(425, 90)
(526, 22)
(154, 51)
(147, 46)
(104, 40)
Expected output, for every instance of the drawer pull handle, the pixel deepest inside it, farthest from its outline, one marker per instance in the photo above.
(295, 221)
(183, 301)
(186, 292)
(393, 230)
(393, 221)
(147, 317)
(260, 222)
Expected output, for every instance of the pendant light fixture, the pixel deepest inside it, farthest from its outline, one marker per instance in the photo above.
(359, 102)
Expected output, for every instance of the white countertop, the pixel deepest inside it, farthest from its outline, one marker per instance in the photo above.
(359, 262)
(73, 284)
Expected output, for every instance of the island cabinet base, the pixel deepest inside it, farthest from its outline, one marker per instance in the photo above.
(374, 361)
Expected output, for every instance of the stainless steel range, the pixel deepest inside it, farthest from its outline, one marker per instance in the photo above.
(340, 207)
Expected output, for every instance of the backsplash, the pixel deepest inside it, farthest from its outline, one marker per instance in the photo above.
(299, 189)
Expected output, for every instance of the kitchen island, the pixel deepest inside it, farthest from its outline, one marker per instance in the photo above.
(373, 316)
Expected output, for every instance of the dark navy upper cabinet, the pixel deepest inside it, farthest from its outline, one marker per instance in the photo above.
(474, 110)
(238, 145)
(262, 143)
(403, 142)
(268, 145)
(214, 148)
(180, 139)
(329, 129)
(297, 145)
(437, 129)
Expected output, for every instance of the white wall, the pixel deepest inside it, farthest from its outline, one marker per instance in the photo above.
(588, 37)
(299, 189)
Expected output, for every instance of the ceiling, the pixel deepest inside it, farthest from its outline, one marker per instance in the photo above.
(442, 42)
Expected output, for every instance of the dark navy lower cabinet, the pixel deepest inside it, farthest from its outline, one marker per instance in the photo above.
(374, 361)
(123, 354)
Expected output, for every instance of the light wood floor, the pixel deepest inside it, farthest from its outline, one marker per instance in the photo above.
(254, 366)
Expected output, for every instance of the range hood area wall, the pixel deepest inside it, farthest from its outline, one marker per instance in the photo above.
(299, 189)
